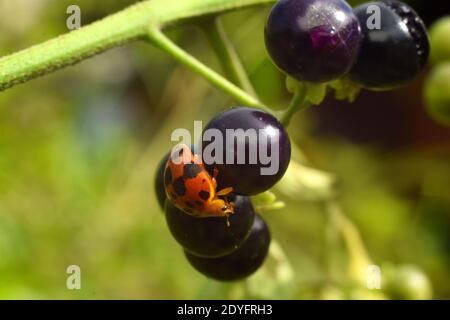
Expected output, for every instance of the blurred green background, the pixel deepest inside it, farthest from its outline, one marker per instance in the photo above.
(79, 149)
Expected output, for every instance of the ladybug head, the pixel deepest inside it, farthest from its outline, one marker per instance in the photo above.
(227, 208)
(220, 208)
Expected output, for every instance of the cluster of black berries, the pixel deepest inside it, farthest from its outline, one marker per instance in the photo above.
(231, 248)
(378, 45)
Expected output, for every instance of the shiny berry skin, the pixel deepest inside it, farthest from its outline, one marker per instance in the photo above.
(393, 55)
(313, 40)
(213, 236)
(242, 262)
(160, 189)
(249, 178)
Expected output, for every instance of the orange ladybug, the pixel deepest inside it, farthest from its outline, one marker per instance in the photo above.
(191, 187)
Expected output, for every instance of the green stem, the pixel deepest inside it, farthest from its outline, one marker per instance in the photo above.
(74, 46)
(227, 54)
(160, 40)
(297, 104)
(127, 25)
(358, 254)
(175, 11)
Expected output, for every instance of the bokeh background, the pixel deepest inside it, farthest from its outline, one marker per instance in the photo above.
(79, 150)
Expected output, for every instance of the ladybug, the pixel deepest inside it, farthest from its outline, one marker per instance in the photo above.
(192, 189)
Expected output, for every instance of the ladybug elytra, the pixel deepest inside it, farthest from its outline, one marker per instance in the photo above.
(192, 189)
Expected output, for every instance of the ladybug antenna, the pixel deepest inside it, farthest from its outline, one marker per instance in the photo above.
(215, 172)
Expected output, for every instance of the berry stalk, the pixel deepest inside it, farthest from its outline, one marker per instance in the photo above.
(227, 54)
(297, 104)
(359, 259)
(157, 38)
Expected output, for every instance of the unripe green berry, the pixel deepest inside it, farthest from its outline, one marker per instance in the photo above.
(407, 283)
(437, 94)
(440, 40)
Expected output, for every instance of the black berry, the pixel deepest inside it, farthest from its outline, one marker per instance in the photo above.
(242, 262)
(313, 40)
(211, 237)
(393, 54)
(254, 175)
(160, 188)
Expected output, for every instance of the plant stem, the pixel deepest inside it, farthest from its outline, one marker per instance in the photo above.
(75, 46)
(127, 25)
(297, 104)
(175, 11)
(359, 259)
(160, 40)
(227, 54)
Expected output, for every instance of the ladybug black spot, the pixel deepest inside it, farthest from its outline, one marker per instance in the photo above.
(204, 195)
(191, 171)
(167, 177)
(179, 187)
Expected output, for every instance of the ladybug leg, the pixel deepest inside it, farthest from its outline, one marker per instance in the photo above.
(214, 182)
(225, 192)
